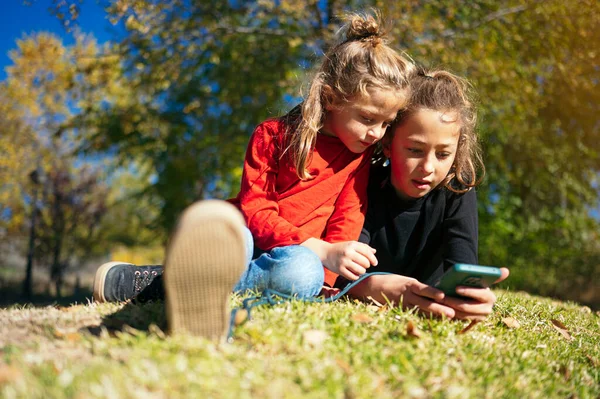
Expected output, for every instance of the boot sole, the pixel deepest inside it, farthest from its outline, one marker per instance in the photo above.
(100, 279)
(205, 259)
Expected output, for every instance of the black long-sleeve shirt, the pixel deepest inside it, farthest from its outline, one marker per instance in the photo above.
(419, 238)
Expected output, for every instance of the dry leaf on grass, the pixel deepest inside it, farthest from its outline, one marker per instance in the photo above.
(8, 374)
(593, 361)
(511, 322)
(74, 308)
(413, 331)
(470, 326)
(374, 301)
(344, 366)
(362, 318)
(241, 315)
(562, 329)
(71, 336)
(565, 371)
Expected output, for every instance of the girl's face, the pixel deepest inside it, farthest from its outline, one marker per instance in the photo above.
(422, 152)
(362, 121)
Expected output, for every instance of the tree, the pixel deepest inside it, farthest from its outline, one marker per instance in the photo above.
(45, 89)
(203, 73)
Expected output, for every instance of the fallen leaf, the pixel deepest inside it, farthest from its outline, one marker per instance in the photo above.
(470, 326)
(593, 361)
(562, 329)
(412, 330)
(362, 318)
(314, 338)
(511, 322)
(375, 302)
(74, 308)
(558, 324)
(71, 336)
(8, 374)
(344, 366)
(565, 371)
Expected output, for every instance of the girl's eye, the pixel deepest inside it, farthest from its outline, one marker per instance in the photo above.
(415, 151)
(443, 155)
(367, 119)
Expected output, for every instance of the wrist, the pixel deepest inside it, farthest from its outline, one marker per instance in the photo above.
(320, 248)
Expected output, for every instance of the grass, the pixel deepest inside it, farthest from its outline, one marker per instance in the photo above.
(530, 347)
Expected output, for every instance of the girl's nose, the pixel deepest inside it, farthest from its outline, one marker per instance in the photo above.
(427, 165)
(376, 133)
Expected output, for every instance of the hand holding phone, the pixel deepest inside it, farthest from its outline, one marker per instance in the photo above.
(467, 275)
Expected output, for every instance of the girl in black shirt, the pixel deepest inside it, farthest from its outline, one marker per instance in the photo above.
(422, 214)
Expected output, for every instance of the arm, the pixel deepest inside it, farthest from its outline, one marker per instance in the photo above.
(258, 198)
(339, 251)
(403, 291)
(460, 246)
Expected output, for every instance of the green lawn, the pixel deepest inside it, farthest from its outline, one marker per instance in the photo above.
(531, 347)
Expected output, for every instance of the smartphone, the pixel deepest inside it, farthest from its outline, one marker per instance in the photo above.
(467, 275)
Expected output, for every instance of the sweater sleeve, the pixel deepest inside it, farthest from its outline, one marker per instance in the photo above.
(258, 198)
(346, 222)
(347, 219)
(460, 229)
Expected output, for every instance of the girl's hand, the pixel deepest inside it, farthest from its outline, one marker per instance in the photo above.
(477, 303)
(405, 291)
(349, 259)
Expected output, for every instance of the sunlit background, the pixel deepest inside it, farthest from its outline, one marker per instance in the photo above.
(115, 115)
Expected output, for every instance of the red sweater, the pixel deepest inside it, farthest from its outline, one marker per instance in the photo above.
(280, 209)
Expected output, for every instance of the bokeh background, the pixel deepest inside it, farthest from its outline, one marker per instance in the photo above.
(116, 115)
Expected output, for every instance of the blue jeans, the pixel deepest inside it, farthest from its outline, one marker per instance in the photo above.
(292, 270)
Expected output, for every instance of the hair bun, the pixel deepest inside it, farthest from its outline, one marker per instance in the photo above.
(365, 28)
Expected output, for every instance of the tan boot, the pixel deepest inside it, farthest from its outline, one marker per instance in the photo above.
(205, 259)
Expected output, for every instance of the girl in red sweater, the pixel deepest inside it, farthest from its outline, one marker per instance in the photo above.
(303, 193)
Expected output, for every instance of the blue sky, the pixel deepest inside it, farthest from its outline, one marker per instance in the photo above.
(17, 20)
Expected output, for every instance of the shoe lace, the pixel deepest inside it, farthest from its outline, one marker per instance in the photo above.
(142, 279)
(269, 296)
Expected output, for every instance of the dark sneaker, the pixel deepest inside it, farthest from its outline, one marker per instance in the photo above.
(119, 281)
(205, 259)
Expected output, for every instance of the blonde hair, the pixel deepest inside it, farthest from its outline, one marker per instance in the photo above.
(360, 61)
(440, 90)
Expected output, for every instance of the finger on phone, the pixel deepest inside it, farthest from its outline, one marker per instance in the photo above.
(478, 294)
(469, 306)
(428, 291)
(505, 273)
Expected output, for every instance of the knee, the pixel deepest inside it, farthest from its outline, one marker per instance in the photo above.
(249, 241)
(300, 272)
